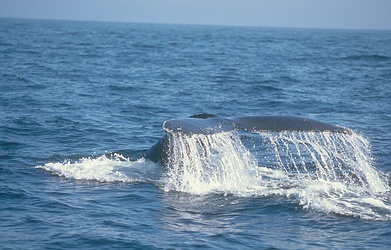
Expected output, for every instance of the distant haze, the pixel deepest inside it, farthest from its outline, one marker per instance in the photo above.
(345, 14)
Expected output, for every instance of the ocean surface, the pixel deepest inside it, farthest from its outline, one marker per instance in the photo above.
(81, 102)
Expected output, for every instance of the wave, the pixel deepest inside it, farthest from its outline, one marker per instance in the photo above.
(324, 172)
(374, 58)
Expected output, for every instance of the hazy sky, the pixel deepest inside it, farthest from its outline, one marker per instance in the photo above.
(357, 14)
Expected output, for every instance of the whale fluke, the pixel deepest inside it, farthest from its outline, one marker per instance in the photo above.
(210, 124)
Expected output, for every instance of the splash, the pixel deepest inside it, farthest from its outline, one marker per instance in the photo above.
(331, 157)
(327, 172)
(201, 164)
(324, 172)
(332, 172)
(105, 168)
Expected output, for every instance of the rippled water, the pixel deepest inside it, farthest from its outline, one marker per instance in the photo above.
(81, 102)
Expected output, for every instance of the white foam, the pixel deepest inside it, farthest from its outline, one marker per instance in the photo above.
(113, 168)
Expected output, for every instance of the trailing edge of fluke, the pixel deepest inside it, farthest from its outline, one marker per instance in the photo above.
(211, 124)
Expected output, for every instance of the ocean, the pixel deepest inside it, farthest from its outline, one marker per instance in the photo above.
(81, 103)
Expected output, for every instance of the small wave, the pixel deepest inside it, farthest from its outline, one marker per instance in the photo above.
(121, 88)
(374, 58)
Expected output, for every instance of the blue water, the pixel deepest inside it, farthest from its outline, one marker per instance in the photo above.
(81, 102)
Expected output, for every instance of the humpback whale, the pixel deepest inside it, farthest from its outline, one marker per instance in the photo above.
(210, 124)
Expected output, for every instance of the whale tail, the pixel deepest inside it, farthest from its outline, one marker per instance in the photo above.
(210, 124)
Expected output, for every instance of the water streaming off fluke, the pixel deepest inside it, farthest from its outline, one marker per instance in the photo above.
(327, 156)
(320, 171)
(324, 171)
(201, 163)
